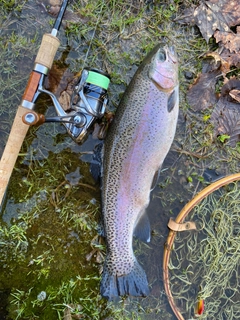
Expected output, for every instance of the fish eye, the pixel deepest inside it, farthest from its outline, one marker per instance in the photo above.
(162, 55)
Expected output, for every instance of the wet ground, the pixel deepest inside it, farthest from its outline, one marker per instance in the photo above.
(50, 216)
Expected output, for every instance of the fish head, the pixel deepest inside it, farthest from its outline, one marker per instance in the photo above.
(164, 69)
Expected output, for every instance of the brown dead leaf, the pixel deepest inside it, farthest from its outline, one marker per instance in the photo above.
(65, 100)
(224, 65)
(230, 40)
(235, 94)
(187, 17)
(213, 61)
(232, 84)
(226, 114)
(52, 7)
(60, 79)
(202, 95)
(233, 59)
(214, 15)
(57, 79)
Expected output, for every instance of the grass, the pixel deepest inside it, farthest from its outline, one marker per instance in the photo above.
(49, 224)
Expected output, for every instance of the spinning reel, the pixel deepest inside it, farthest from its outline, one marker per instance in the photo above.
(88, 104)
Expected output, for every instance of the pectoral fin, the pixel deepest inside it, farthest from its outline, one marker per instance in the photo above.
(142, 229)
(172, 100)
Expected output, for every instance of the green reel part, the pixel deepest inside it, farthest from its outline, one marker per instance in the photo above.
(98, 79)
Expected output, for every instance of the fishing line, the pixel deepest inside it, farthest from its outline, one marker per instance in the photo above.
(93, 36)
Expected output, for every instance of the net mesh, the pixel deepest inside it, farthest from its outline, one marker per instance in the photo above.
(204, 264)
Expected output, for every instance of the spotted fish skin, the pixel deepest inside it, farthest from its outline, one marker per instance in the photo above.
(135, 148)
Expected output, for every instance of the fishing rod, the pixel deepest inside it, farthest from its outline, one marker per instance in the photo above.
(88, 103)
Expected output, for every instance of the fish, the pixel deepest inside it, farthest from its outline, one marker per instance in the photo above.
(135, 147)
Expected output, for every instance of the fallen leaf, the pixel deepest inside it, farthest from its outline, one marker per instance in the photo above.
(233, 59)
(232, 84)
(213, 61)
(202, 94)
(65, 100)
(235, 94)
(187, 17)
(58, 78)
(226, 114)
(213, 15)
(230, 40)
(52, 7)
(208, 20)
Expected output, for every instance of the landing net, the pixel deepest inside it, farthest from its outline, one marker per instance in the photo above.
(204, 263)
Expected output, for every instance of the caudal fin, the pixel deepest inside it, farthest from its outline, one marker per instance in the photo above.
(134, 283)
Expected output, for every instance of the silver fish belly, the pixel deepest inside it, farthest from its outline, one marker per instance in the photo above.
(135, 148)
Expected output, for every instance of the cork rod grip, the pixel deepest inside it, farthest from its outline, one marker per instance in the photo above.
(11, 151)
(47, 50)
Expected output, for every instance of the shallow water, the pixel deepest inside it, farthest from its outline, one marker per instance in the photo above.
(52, 205)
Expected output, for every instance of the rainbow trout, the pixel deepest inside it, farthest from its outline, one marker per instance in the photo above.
(135, 148)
